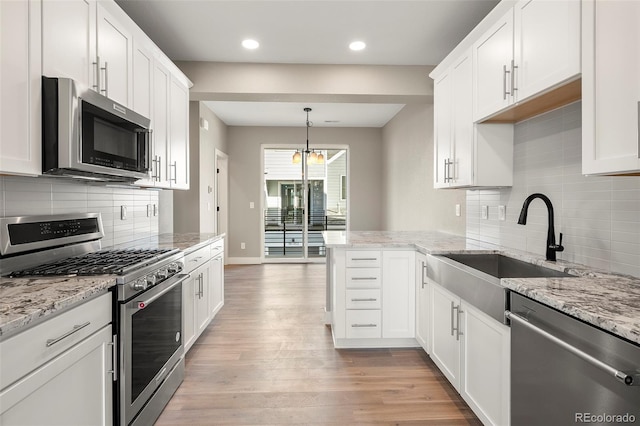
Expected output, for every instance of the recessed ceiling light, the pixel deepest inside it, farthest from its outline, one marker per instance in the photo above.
(250, 44)
(357, 45)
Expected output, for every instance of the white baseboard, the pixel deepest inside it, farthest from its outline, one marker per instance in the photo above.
(244, 261)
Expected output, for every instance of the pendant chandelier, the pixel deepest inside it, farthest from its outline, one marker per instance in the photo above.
(312, 156)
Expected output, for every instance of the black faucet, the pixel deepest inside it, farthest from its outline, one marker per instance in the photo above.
(552, 248)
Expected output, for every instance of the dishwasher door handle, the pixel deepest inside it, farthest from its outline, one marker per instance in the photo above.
(632, 379)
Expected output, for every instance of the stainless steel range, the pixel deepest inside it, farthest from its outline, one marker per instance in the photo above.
(147, 300)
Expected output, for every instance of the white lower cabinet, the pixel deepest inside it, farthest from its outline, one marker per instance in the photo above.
(68, 361)
(486, 366)
(203, 291)
(422, 303)
(373, 298)
(473, 351)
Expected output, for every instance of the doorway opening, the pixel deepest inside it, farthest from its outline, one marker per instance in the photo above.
(301, 201)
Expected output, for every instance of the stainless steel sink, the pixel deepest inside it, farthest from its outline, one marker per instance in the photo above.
(500, 266)
(476, 278)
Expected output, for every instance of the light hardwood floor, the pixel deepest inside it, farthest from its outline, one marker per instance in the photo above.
(268, 359)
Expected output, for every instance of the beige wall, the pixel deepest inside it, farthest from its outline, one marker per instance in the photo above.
(245, 180)
(194, 210)
(410, 202)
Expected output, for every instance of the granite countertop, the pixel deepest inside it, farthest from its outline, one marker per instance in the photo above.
(608, 301)
(27, 301)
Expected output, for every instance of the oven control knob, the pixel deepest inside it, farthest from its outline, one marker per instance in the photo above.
(139, 285)
(162, 274)
(175, 267)
(151, 280)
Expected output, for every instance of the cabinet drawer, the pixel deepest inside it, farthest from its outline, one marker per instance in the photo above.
(363, 259)
(197, 258)
(217, 248)
(363, 277)
(363, 324)
(363, 299)
(30, 349)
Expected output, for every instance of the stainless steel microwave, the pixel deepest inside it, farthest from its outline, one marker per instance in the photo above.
(87, 135)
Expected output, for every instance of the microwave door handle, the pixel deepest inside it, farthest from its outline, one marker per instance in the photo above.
(147, 150)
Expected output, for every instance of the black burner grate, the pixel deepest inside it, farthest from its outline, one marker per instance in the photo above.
(98, 263)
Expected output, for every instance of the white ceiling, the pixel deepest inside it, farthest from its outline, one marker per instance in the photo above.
(397, 32)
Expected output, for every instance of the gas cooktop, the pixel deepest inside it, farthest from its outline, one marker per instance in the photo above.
(118, 262)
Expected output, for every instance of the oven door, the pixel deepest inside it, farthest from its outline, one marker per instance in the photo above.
(150, 343)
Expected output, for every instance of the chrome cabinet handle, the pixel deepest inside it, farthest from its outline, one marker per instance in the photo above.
(114, 356)
(96, 75)
(364, 300)
(75, 329)
(629, 379)
(424, 271)
(455, 327)
(514, 67)
(504, 82)
(174, 179)
(364, 325)
(106, 81)
(446, 170)
(363, 278)
(364, 258)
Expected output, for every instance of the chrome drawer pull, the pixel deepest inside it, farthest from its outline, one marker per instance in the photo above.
(363, 278)
(75, 329)
(364, 300)
(629, 379)
(364, 258)
(364, 325)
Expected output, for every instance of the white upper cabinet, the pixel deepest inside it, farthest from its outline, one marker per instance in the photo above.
(114, 55)
(611, 87)
(178, 135)
(533, 48)
(69, 41)
(91, 43)
(546, 45)
(492, 68)
(20, 85)
(467, 154)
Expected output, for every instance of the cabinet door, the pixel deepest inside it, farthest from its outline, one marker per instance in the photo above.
(114, 50)
(486, 366)
(492, 63)
(188, 311)
(142, 78)
(160, 125)
(611, 87)
(179, 135)
(398, 294)
(217, 284)
(75, 388)
(422, 303)
(546, 44)
(20, 86)
(69, 41)
(202, 297)
(461, 171)
(442, 116)
(445, 343)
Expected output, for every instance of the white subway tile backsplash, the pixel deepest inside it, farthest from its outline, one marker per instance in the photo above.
(25, 196)
(598, 215)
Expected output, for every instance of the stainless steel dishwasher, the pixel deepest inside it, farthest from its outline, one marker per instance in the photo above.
(564, 371)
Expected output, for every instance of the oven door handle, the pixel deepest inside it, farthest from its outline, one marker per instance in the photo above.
(629, 379)
(141, 304)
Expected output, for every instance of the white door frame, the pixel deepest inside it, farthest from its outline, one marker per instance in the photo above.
(221, 217)
(306, 259)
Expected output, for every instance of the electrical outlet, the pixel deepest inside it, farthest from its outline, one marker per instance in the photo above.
(243, 246)
(502, 213)
(458, 210)
(485, 212)
(252, 205)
